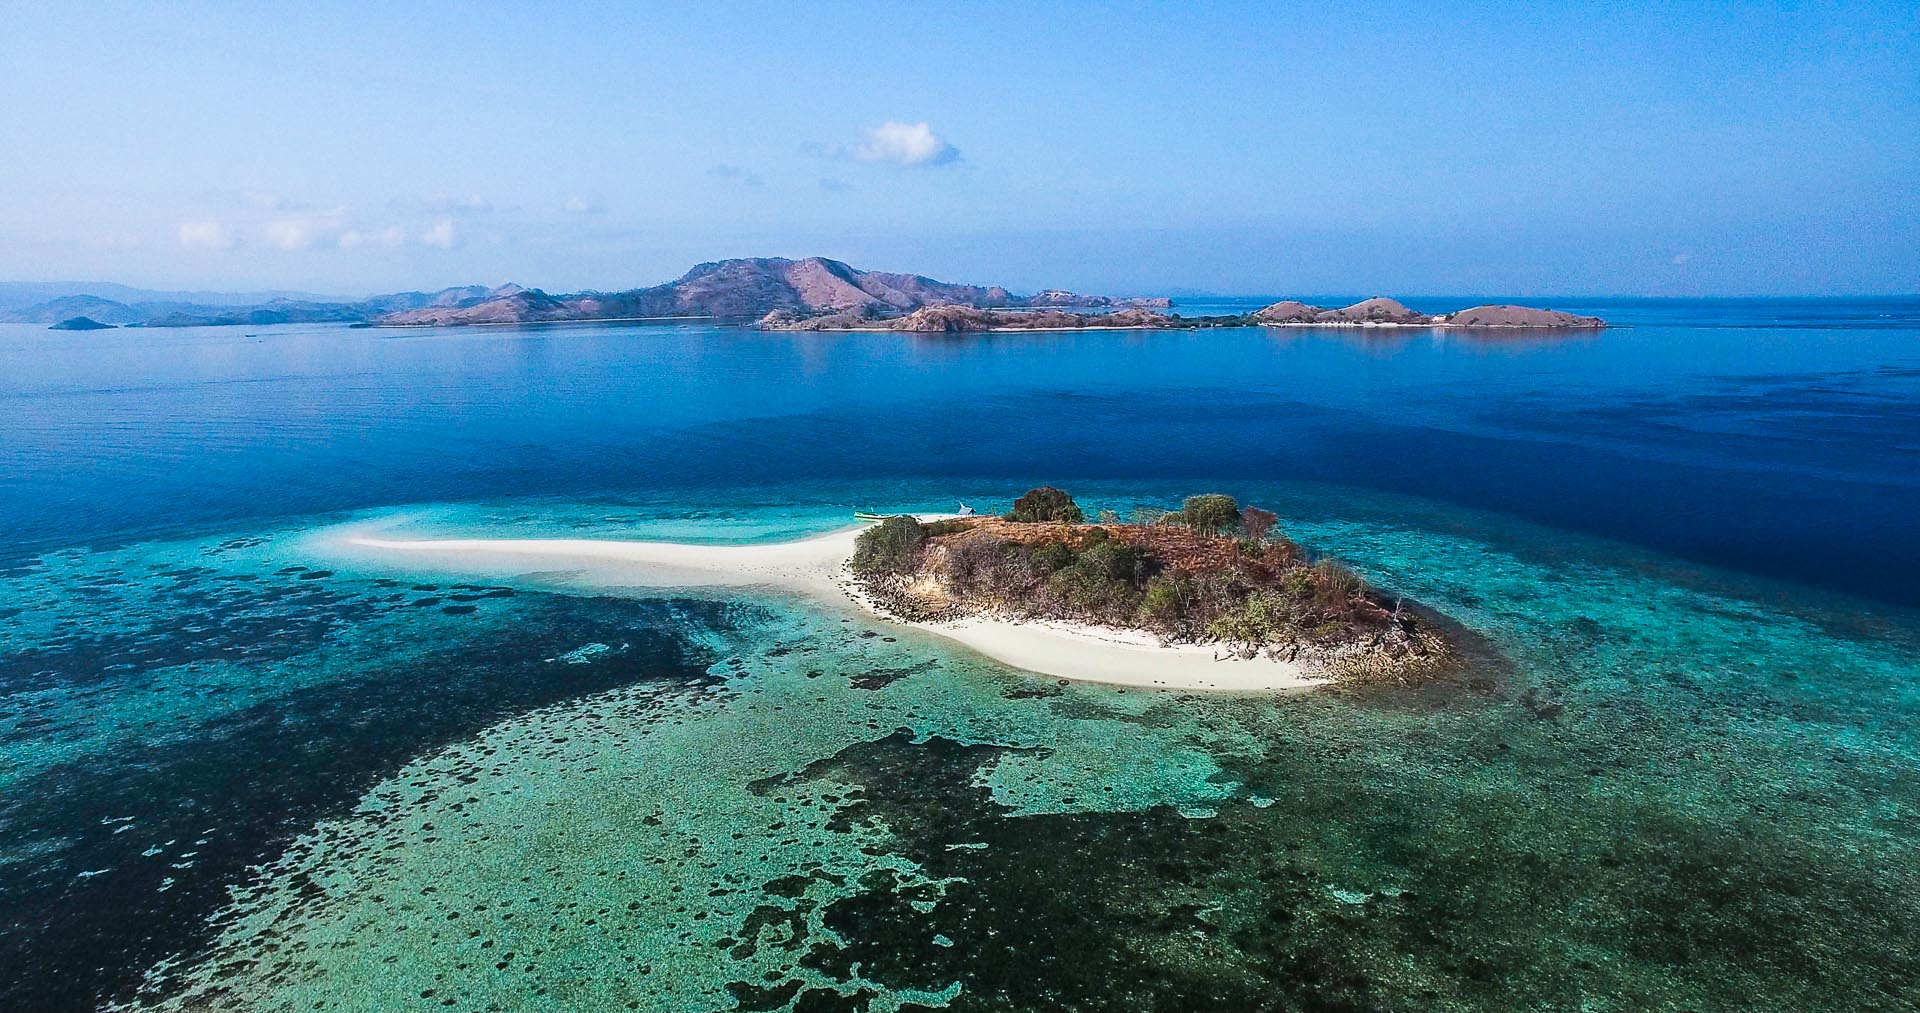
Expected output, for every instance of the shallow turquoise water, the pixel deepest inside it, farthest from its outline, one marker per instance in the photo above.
(1679, 795)
(238, 773)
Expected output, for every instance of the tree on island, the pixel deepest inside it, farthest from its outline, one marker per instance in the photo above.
(1257, 522)
(1046, 504)
(1212, 513)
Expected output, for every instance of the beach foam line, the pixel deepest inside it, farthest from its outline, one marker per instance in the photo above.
(816, 567)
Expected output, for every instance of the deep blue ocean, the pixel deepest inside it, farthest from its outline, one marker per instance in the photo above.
(237, 774)
(1776, 437)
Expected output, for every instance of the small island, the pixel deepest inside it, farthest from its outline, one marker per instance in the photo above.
(1211, 597)
(1381, 312)
(1212, 573)
(80, 324)
(956, 318)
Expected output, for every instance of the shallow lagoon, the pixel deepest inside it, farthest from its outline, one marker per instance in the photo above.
(1688, 787)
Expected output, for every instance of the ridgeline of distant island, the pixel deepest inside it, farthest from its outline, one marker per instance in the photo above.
(777, 294)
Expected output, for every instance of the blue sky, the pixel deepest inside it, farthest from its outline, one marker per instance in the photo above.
(1514, 149)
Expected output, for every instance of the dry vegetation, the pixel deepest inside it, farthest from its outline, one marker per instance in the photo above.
(1210, 572)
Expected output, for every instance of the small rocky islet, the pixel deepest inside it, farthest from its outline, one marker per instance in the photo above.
(1211, 572)
(1375, 312)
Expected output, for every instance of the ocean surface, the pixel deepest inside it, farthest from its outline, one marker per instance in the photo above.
(237, 773)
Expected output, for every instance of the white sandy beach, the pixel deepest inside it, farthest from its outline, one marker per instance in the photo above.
(816, 567)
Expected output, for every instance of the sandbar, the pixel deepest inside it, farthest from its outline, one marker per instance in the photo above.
(816, 567)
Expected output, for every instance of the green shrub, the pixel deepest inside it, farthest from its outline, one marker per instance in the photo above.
(1109, 517)
(1045, 504)
(1092, 594)
(1148, 516)
(1049, 557)
(1212, 513)
(1115, 561)
(935, 529)
(1300, 582)
(1103, 583)
(1337, 584)
(888, 547)
(1265, 617)
(1164, 605)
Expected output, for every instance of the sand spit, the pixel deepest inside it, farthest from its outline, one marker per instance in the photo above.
(816, 568)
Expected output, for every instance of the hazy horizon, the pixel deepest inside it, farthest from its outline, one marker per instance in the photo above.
(1239, 151)
(246, 296)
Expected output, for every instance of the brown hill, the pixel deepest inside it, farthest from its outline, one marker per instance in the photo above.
(1287, 311)
(1518, 316)
(748, 287)
(1373, 311)
(1382, 312)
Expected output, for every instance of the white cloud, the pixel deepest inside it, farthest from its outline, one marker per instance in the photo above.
(261, 220)
(583, 206)
(1680, 259)
(304, 231)
(290, 233)
(391, 236)
(905, 144)
(440, 234)
(206, 236)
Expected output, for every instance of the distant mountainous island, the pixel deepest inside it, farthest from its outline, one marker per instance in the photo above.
(749, 288)
(813, 293)
(80, 324)
(743, 289)
(276, 310)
